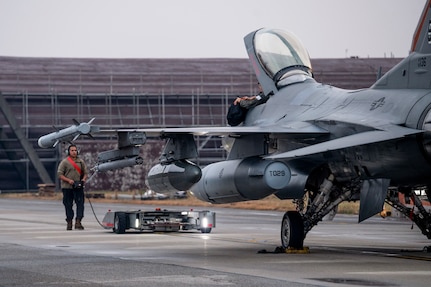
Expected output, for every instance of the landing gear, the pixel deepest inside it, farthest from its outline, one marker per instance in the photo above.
(321, 199)
(417, 212)
(292, 230)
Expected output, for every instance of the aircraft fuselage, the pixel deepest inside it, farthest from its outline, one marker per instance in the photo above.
(345, 112)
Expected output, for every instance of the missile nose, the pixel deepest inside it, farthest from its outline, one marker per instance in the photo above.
(40, 143)
(44, 142)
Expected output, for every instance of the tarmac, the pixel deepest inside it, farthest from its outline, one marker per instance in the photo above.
(36, 250)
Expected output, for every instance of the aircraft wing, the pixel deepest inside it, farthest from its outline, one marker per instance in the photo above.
(294, 128)
(391, 132)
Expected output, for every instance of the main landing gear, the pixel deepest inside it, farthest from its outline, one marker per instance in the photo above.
(412, 207)
(292, 231)
(311, 209)
(315, 205)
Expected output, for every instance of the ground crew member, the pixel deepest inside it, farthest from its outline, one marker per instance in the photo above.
(72, 173)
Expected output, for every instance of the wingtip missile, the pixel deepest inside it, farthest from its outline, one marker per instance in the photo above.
(68, 134)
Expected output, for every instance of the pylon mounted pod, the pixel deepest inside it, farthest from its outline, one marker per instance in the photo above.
(128, 139)
(118, 158)
(177, 176)
(121, 163)
(117, 154)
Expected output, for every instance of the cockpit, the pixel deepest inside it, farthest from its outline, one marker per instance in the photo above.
(282, 56)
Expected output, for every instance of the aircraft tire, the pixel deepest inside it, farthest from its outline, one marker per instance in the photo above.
(120, 223)
(292, 230)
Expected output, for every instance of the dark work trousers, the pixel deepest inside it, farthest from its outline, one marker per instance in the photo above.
(70, 196)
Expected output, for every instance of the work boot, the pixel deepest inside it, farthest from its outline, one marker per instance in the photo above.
(78, 224)
(69, 224)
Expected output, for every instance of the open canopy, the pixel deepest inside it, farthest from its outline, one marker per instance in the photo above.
(280, 54)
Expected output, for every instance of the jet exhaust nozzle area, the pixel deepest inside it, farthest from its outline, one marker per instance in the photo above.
(179, 175)
(243, 179)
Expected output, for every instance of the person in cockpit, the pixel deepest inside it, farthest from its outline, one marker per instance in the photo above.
(238, 109)
(250, 102)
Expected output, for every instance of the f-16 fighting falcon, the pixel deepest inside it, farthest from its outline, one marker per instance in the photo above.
(312, 143)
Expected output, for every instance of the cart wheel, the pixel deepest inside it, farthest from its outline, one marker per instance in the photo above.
(120, 223)
(206, 230)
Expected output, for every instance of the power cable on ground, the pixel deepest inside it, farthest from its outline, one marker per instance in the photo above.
(91, 205)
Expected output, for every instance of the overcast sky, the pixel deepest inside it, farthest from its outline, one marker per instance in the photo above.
(201, 28)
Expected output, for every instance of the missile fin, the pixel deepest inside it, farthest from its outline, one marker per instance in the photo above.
(90, 136)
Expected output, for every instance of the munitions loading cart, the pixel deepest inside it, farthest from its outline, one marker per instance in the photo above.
(159, 220)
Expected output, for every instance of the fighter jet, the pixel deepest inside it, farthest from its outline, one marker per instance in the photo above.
(312, 143)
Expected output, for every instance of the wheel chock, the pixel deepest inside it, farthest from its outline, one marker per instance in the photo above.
(289, 250)
(292, 250)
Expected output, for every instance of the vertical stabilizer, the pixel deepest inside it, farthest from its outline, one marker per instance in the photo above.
(421, 42)
(414, 72)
